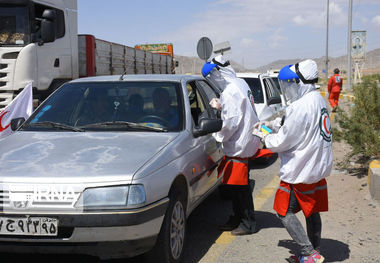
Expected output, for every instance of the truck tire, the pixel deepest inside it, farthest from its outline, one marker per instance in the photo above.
(171, 239)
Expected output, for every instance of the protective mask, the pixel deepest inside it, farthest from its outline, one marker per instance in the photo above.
(216, 78)
(290, 91)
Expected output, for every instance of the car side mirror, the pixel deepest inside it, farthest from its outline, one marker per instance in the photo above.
(207, 126)
(48, 26)
(16, 123)
(274, 100)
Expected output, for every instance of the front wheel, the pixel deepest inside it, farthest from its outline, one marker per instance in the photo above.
(171, 239)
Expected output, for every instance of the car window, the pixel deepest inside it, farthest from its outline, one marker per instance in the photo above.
(276, 84)
(153, 104)
(209, 94)
(255, 86)
(271, 91)
(208, 90)
(197, 105)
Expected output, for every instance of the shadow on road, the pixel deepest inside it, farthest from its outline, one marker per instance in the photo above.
(267, 220)
(332, 250)
(203, 225)
(202, 231)
(263, 163)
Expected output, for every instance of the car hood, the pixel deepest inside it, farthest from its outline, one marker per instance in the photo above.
(77, 157)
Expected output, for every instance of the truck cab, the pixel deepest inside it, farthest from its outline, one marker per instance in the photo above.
(39, 44)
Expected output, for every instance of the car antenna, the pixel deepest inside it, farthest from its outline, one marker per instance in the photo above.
(124, 73)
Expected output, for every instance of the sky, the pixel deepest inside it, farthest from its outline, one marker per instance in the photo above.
(259, 31)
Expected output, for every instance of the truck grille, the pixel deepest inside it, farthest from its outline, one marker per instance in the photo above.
(8, 58)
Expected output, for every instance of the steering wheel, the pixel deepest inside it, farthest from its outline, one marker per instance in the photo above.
(154, 117)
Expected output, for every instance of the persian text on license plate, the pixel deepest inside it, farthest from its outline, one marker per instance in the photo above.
(29, 226)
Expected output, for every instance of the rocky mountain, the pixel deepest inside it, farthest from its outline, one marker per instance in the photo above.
(371, 65)
(193, 65)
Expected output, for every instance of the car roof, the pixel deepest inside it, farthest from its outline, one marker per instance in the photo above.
(140, 77)
(248, 75)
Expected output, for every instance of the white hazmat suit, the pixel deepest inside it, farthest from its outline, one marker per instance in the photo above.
(304, 144)
(238, 143)
(237, 112)
(304, 141)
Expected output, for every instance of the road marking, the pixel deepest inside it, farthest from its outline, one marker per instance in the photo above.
(260, 199)
(375, 164)
(372, 165)
(225, 238)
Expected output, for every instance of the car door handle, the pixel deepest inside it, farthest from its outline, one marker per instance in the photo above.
(56, 63)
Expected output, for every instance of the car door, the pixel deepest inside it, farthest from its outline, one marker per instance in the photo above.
(206, 153)
(212, 147)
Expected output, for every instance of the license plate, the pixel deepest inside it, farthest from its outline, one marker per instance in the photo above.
(29, 226)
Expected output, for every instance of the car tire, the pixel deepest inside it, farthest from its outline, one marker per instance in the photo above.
(170, 242)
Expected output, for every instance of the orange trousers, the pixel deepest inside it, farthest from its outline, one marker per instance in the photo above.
(334, 98)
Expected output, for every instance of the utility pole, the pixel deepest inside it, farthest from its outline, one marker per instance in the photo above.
(349, 45)
(327, 40)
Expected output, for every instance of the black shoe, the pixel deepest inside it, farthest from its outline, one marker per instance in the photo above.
(231, 224)
(240, 232)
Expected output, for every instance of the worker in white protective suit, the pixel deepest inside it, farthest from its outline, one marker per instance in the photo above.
(303, 142)
(239, 116)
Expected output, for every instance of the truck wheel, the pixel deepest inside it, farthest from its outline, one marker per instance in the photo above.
(171, 239)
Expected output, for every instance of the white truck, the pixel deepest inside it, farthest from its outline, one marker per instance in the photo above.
(39, 43)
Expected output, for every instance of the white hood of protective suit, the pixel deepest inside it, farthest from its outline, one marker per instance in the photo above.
(304, 141)
(238, 115)
(226, 72)
(220, 78)
(293, 91)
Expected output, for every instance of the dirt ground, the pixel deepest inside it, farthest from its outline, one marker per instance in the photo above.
(353, 218)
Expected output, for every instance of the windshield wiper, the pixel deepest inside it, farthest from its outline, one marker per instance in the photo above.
(131, 125)
(56, 125)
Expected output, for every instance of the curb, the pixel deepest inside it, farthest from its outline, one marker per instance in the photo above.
(341, 96)
(374, 179)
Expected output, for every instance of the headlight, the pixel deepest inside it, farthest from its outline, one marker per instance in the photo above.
(111, 197)
(136, 195)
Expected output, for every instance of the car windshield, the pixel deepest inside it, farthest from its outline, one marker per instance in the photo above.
(104, 106)
(14, 26)
(255, 86)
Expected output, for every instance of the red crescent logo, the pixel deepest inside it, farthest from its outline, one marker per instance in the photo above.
(1, 118)
(324, 124)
